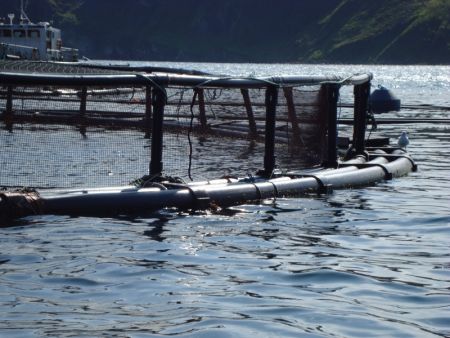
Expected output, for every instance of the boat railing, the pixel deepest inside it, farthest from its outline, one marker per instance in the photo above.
(63, 54)
(10, 50)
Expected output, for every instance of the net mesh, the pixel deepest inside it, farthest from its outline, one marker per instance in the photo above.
(68, 137)
(44, 67)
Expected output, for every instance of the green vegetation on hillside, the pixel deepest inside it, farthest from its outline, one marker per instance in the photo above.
(64, 10)
(385, 31)
(338, 31)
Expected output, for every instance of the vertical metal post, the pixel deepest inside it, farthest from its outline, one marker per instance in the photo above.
(250, 115)
(9, 101)
(271, 108)
(332, 96)
(292, 115)
(159, 101)
(83, 101)
(148, 111)
(201, 107)
(8, 114)
(361, 106)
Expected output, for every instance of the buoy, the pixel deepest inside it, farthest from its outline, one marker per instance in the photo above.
(383, 100)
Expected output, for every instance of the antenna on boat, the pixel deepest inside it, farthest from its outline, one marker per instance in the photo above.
(11, 18)
(23, 16)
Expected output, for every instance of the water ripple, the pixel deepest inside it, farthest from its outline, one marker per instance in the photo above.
(360, 262)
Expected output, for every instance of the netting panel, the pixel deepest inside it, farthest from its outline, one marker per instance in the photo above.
(224, 146)
(99, 136)
(44, 67)
(60, 100)
(308, 143)
(59, 156)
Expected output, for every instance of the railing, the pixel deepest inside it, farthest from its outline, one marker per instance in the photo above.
(63, 54)
(9, 50)
(294, 119)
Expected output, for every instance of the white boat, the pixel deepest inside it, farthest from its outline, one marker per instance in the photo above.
(25, 40)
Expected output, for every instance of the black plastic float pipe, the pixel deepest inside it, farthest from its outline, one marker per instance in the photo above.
(159, 101)
(395, 167)
(240, 193)
(100, 202)
(113, 202)
(352, 165)
(146, 69)
(18, 78)
(285, 186)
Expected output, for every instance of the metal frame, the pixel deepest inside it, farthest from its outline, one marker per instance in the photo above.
(155, 110)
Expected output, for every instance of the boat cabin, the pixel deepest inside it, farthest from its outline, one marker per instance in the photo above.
(30, 41)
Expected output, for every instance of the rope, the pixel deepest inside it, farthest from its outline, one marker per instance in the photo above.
(154, 83)
(19, 203)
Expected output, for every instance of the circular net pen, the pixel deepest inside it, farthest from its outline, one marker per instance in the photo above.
(74, 126)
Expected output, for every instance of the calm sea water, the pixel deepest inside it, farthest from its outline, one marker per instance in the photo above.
(366, 262)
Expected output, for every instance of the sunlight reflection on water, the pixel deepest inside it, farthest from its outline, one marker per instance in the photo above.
(371, 261)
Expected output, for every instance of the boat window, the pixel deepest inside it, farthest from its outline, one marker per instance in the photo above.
(19, 33)
(7, 33)
(33, 33)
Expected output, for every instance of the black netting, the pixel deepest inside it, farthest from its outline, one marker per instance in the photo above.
(52, 68)
(66, 136)
(59, 156)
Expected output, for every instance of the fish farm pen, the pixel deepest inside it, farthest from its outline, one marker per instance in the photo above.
(82, 139)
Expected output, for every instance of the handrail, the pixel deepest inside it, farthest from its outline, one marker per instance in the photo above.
(21, 78)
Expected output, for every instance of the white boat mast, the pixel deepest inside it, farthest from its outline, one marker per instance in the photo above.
(23, 16)
(11, 18)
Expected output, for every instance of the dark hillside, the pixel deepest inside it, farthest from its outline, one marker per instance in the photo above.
(342, 31)
(383, 31)
(201, 30)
